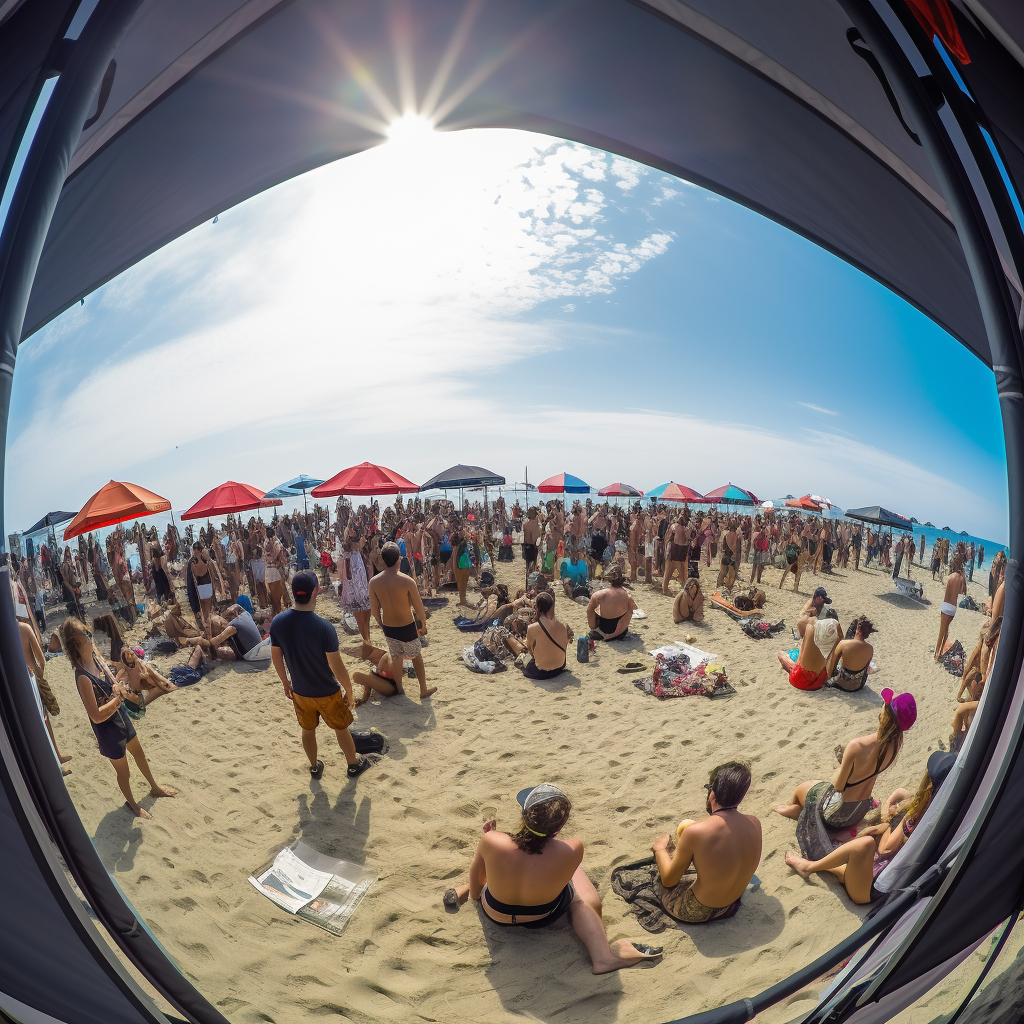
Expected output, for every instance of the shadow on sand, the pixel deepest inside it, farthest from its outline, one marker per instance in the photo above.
(119, 835)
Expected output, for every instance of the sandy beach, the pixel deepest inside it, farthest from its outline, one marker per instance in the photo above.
(633, 766)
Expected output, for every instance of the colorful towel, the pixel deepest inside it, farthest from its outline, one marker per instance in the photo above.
(675, 676)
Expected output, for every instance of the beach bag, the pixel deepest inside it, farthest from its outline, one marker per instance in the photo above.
(136, 710)
(48, 697)
(184, 675)
(953, 660)
(582, 648)
(473, 663)
(486, 578)
(369, 740)
(483, 653)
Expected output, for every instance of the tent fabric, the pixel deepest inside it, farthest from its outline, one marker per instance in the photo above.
(366, 478)
(115, 502)
(563, 483)
(50, 519)
(463, 476)
(256, 92)
(880, 517)
(226, 498)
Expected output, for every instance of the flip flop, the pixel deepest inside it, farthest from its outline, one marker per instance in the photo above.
(632, 666)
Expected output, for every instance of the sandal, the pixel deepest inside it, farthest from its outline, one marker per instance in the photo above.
(632, 666)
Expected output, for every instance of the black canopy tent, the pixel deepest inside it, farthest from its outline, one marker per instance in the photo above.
(880, 517)
(463, 476)
(49, 520)
(844, 120)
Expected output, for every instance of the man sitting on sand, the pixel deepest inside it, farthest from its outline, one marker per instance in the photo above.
(812, 666)
(689, 603)
(723, 850)
(241, 634)
(315, 680)
(532, 878)
(610, 610)
(396, 605)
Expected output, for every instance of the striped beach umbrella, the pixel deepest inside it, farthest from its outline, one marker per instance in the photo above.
(619, 490)
(563, 483)
(674, 492)
(730, 494)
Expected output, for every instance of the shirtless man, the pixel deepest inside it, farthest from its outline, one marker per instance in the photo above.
(955, 586)
(611, 610)
(637, 534)
(578, 526)
(689, 603)
(396, 605)
(678, 555)
(436, 528)
(533, 878)
(793, 556)
(723, 851)
(179, 629)
(531, 540)
(413, 537)
(728, 569)
(36, 664)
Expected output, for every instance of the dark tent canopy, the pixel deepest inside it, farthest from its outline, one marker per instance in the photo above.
(463, 476)
(51, 519)
(880, 517)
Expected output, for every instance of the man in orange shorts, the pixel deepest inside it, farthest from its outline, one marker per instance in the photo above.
(304, 649)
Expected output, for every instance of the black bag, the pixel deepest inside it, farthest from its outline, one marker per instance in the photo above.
(369, 740)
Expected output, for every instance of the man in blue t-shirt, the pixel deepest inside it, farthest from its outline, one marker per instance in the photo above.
(319, 687)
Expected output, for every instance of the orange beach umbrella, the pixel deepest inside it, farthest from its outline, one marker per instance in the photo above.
(113, 503)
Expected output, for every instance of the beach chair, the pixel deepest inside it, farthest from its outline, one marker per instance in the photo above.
(909, 588)
(719, 601)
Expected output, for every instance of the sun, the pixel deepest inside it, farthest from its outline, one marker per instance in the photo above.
(410, 129)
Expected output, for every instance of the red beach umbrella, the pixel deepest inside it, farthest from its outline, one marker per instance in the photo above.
(229, 497)
(113, 503)
(366, 478)
(619, 490)
(807, 503)
(674, 492)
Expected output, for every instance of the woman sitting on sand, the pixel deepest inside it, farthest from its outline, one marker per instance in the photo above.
(859, 862)
(840, 804)
(141, 677)
(547, 640)
(817, 657)
(532, 878)
(103, 697)
(379, 679)
(689, 603)
(852, 658)
(610, 610)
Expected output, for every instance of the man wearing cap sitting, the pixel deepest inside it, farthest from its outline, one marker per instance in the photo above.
(704, 877)
(532, 879)
(814, 607)
(304, 649)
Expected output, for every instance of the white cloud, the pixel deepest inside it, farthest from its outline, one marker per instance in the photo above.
(818, 408)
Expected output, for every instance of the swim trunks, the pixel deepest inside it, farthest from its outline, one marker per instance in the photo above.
(680, 903)
(529, 552)
(332, 709)
(403, 641)
(802, 679)
(272, 575)
(679, 553)
(205, 591)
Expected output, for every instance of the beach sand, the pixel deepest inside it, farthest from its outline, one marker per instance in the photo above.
(633, 767)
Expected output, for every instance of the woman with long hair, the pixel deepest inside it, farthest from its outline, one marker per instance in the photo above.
(202, 573)
(160, 573)
(355, 591)
(839, 805)
(462, 563)
(104, 699)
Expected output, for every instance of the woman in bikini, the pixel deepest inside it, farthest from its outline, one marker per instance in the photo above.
(821, 808)
(851, 659)
(160, 572)
(104, 698)
(202, 573)
(547, 640)
(610, 610)
(460, 559)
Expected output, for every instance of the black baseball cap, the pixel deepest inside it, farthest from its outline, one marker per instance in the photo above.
(940, 764)
(303, 585)
(820, 592)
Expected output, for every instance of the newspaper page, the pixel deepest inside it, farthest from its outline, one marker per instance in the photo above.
(315, 887)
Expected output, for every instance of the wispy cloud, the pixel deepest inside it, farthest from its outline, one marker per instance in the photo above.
(818, 408)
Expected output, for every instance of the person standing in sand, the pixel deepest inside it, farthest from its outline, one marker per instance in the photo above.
(678, 555)
(531, 538)
(396, 605)
(304, 650)
(955, 586)
(532, 879)
(723, 852)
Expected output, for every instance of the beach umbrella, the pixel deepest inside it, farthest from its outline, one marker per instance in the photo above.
(619, 490)
(674, 492)
(366, 478)
(730, 494)
(563, 483)
(226, 498)
(806, 503)
(115, 502)
(292, 488)
(463, 476)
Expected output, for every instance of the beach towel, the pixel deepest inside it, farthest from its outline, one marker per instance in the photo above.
(953, 658)
(727, 606)
(433, 603)
(761, 629)
(676, 676)
(969, 603)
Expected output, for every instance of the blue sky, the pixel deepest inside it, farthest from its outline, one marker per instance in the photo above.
(506, 299)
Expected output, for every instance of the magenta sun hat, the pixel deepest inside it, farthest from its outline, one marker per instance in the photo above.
(904, 706)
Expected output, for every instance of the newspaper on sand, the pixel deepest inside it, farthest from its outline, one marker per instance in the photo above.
(310, 885)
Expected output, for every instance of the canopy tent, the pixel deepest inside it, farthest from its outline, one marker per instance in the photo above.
(730, 494)
(879, 517)
(463, 476)
(620, 490)
(115, 502)
(366, 478)
(856, 123)
(50, 519)
(227, 498)
(674, 492)
(563, 483)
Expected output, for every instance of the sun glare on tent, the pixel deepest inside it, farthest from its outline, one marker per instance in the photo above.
(410, 129)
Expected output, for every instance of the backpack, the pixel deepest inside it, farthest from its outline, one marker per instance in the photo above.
(369, 740)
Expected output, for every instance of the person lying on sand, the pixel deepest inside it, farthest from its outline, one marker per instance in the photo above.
(239, 634)
(848, 667)
(837, 806)
(857, 863)
(724, 851)
(817, 647)
(532, 879)
(689, 603)
(610, 610)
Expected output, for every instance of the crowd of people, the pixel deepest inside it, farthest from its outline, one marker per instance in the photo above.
(253, 589)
